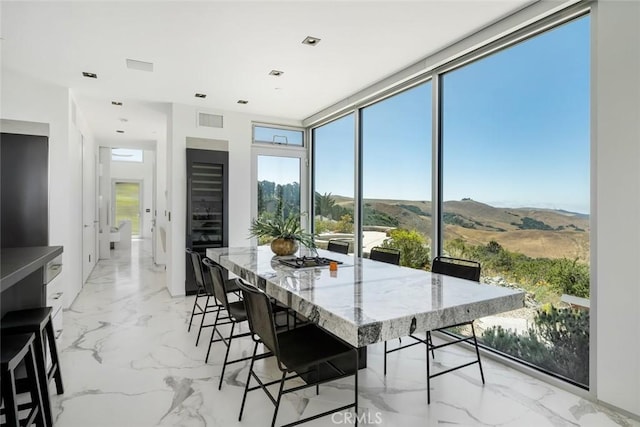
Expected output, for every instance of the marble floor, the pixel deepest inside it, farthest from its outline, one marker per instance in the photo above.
(128, 360)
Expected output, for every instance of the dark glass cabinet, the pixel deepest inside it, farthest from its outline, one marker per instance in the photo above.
(207, 204)
(24, 192)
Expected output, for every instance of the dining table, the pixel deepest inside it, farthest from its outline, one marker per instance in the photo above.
(364, 302)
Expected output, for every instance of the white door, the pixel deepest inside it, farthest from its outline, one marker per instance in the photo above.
(154, 210)
(89, 218)
(280, 178)
(127, 204)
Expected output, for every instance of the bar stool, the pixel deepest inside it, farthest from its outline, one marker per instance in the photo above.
(38, 321)
(15, 350)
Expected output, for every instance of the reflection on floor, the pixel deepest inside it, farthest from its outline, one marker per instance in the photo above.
(127, 360)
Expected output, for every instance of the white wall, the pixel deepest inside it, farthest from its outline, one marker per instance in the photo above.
(28, 99)
(82, 152)
(237, 131)
(139, 172)
(616, 163)
(104, 202)
(161, 181)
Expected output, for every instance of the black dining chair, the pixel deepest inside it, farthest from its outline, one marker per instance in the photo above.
(388, 255)
(234, 313)
(338, 246)
(307, 352)
(204, 289)
(463, 269)
(455, 267)
(199, 309)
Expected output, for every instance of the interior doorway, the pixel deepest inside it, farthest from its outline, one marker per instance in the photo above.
(89, 208)
(127, 205)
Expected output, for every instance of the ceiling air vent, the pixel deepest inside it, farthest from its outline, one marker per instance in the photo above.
(209, 120)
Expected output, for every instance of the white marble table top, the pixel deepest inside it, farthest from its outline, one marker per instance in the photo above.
(366, 301)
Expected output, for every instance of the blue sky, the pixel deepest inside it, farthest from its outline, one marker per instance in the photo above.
(515, 131)
(281, 170)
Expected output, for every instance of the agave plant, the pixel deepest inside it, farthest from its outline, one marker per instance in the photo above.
(280, 227)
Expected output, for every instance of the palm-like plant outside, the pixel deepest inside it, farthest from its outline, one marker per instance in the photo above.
(324, 204)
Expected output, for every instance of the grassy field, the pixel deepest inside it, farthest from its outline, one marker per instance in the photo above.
(128, 205)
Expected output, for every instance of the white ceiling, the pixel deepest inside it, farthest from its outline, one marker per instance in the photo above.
(226, 50)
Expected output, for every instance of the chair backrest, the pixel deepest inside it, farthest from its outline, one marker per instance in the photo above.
(260, 316)
(456, 267)
(196, 264)
(388, 255)
(338, 246)
(219, 285)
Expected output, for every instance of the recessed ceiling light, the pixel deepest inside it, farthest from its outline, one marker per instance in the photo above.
(201, 95)
(134, 64)
(276, 73)
(242, 101)
(311, 41)
(118, 103)
(90, 75)
(120, 131)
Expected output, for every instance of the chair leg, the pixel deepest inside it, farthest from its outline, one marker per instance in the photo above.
(43, 378)
(275, 412)
(430, 344)
(213, 335)
(226, 356)
(385, 358)
(37, 399)
(193, 310)
(55, 360)
(9, 397)
(428, 378)
(355, 407)
(204, 314)
(475, 342)
(246, 387)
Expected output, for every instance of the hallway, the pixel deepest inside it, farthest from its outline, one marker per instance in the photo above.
(128, 361)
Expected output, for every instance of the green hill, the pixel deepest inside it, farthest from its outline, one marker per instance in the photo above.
(535, 232)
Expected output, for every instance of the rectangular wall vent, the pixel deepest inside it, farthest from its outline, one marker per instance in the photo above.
(209, 120)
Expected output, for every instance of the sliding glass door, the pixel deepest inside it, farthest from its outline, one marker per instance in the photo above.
(127, 196)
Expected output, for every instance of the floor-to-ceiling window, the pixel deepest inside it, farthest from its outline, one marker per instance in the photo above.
(333, 178)
(396, 174)
(515, 190)
(514, 180)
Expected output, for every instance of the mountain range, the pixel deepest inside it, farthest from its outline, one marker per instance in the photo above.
(535, 232)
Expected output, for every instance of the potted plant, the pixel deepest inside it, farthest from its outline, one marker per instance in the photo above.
(285, 233)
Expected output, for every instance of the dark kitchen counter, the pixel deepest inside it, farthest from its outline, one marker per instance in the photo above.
(18, 263)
